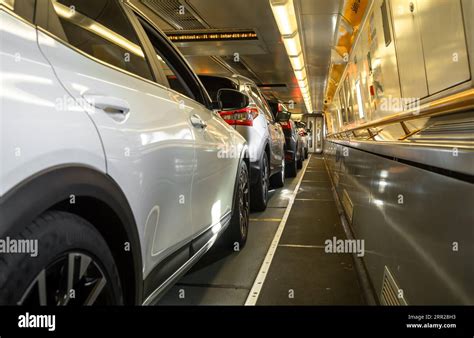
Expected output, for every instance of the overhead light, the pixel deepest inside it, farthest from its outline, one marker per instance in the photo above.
(304, 91)
(300, 74)
(297, 62)
(284, 12)
(285, 17)
(292, 45)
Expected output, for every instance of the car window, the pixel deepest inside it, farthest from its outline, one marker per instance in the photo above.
(101, 29)
(24, 8)
(269, 110)
(261, 102)
(180, 77)
(214, 83)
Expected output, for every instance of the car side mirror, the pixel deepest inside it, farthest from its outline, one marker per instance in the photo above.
(231, 99)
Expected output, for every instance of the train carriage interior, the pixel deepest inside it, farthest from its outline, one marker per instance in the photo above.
(247, 152)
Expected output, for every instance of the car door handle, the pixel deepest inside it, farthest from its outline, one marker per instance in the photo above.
(109, 104)
(197, 121)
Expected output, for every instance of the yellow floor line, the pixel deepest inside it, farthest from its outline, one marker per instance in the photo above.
(265, 219)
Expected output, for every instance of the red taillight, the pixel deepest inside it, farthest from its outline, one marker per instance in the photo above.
(241, 117)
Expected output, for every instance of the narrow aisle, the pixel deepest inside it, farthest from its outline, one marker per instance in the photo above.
(225, 278)
(301, 272)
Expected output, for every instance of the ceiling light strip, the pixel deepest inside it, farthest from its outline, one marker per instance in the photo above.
(285, 16)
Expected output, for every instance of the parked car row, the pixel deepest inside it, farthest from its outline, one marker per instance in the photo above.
(120, 165)
(305, 134)
(294, 151)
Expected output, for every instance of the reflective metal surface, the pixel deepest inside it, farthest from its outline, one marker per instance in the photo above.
(411, 65)
(415, 222)
(439, 57)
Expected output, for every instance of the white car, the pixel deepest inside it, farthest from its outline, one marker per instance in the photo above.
(113, 182)
(264, 135)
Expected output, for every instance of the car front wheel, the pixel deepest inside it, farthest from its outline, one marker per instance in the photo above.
(278, 180)
(238, 228)
(259, 191)
(73, 265)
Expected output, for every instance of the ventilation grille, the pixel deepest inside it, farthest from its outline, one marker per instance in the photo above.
(391, 294)
(169, 10)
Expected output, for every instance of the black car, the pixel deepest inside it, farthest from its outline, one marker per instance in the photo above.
(294, 148)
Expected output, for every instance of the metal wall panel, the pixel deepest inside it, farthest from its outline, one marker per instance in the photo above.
(415, 222)
(444, 43)
(411, 65)
(468, 12)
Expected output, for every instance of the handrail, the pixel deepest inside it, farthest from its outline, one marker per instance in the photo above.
(443, 106)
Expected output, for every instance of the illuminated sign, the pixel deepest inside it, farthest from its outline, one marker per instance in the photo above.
(212, 36)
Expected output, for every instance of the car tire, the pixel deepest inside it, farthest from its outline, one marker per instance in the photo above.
(291, 169)
(64, 240)
(259, 191)
(237, 231)
(299, 162)
(278, 180)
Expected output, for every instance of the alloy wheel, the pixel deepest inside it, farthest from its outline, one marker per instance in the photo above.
(72, 279)
(265, 178)
(283, 170)
(244, 205)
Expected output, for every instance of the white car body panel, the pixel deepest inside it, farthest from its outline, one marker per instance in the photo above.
(218, 152)
(150, 154)
(37, 130)
(170, 172)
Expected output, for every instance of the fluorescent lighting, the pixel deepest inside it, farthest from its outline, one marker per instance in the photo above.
(304, 91)
(300, 74)
(292, 45)
(285, 17)
(284, 13)
(302, 83)
(297, 62)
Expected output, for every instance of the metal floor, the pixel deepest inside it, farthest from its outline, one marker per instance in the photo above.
(301, 273)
